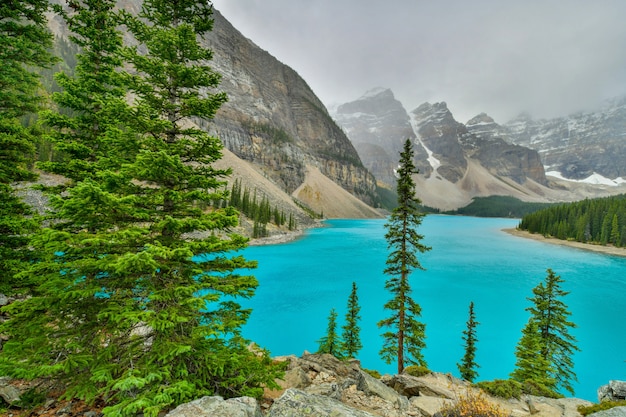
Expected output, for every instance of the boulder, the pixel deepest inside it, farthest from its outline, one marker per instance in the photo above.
(326, 389)
(372, 386)
(8, 392)
(327, 363)
(298, 403)
(217, 406)
(294, 378)
(611, 412)
(613, 391)
(411, 386)
(4, 300)
(429, 406)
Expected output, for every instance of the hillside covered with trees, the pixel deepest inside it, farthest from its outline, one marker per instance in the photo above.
(598, 221)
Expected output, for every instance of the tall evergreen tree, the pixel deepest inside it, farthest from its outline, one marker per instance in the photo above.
(468, 364)
(407, 333)
(553, 324)
(128, 309)
(351, 334)
(331, 343)
(25, 44)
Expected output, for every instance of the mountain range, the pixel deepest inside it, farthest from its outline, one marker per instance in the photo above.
(282, 142)
(560, 159)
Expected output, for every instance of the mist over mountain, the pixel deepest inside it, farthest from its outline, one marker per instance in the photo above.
(580, 146)
(480, 158)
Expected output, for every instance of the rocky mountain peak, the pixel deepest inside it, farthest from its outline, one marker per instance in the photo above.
(377, 125)
(481, 119)
(434, 113)
(441, 134)
(484, 127)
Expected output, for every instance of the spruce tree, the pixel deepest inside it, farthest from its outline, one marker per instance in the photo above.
(88, 125)
(468, 364)
(551, 315)
(405, 339)
(351, 334)
(531, 365)
(25, 44)
(331, 343)
(139, 282)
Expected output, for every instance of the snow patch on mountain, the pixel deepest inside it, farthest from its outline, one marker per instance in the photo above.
(595, 179)
(434, 162)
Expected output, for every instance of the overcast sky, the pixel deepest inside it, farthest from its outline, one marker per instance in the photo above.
(547, 57)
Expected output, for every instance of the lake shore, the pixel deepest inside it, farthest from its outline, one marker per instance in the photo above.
(277, 238)
(607, 250)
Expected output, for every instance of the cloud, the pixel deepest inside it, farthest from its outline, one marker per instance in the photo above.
(546, 57)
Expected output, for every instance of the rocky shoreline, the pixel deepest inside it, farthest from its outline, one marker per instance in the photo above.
(607, 250)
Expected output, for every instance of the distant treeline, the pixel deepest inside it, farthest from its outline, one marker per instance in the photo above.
(498, 206)
(599, 221)
(260, 211)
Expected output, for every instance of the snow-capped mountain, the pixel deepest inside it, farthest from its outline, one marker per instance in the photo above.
(590, 145)
(548, 160)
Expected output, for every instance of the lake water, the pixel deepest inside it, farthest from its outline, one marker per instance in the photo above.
(471, 259)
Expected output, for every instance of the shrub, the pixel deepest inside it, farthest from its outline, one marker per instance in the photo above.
(606, 405)
(503, 388)
(534, 388)
(417, 370)
(474, 404)
(32, 398)
(372, 372)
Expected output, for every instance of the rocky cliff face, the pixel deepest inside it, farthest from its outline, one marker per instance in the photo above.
(274, 121)
(488, 142)
(579, 145)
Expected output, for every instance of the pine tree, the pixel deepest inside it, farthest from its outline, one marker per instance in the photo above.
(25, 45)
(468, 364)
(129, 308)
(552, 318)
(531, 365)
(351, 334)
(407, 334)
(331, 343)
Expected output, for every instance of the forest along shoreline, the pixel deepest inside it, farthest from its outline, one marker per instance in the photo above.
(607, 250)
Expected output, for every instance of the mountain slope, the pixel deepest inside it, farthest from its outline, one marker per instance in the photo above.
(276, 123)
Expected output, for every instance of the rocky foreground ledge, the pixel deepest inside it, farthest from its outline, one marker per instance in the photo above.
(322, 386)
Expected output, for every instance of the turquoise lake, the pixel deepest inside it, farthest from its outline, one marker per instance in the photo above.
(471, 259)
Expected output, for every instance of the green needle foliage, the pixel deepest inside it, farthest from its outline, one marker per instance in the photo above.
(331, 343)
(531, 366)
(407, 333)
(87, 127)
(351, 334)
(25, 44)
(138, 279)
(468, 364)
(549, 324)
